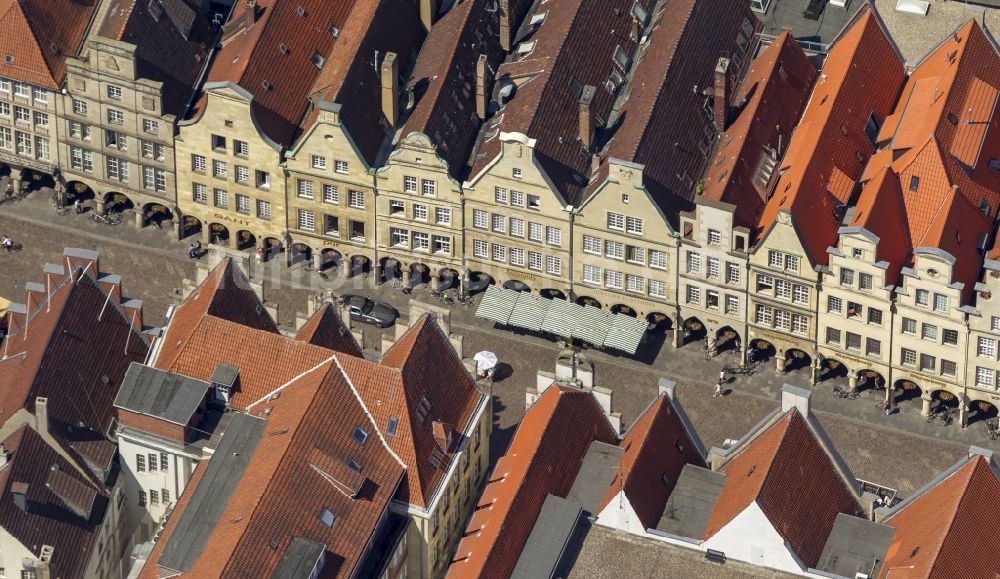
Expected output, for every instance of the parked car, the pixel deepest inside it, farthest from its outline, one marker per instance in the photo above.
(370, 311)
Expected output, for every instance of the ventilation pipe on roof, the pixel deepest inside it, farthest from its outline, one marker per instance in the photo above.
(504, 6)
(722, 94)
(390, 88)
(481, 87)
(586, 117)
(428, 12)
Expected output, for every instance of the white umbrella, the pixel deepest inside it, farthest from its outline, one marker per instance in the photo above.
(485, 361)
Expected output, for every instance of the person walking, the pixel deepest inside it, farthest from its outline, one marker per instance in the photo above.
(718, 390)
(78, 206)
(192, 251)
(260, 253)
(722, 376)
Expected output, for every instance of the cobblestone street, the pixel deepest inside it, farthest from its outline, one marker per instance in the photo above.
(902, 451)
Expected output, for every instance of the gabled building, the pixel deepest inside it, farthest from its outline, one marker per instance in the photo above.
(652, 150)
(38, 39)
(833, 141)
(715, 236)
(984, 333)
(66, 349)
(136, 75)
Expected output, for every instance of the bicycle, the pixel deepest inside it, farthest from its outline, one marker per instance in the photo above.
(746, 369)
(60, 209)
(846, 394)
(109, 219)
(992, 431)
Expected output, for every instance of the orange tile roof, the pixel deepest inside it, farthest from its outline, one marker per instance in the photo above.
(327, 330)
(40, 34)
(882, 211)
(772, 97)
(829, 149)
(950, 529)
(544, 458)
(793, 480)
(657, 447)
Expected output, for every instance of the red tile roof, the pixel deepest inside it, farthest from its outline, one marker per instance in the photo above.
(793, 480)
(544, 458)
(40, 35)
(882, 211)
(326, 330)
(572, 48)
(657, 447)
(771, 99)
(950, 529)
(829, 148)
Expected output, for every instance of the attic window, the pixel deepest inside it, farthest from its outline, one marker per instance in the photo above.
(537, 19)
(984, 207)
(283, 48)
(393, 425)
(353, 465)
(155, 10)
(317, 59)
(639, 12)
(952, 119)
(871, 128)
(267, 86)
(8, 59)
(620, 58)
(914, 183)
(326, 517)
(333, 30)
(301, 10)
(525, 47)
(423, 408)
(359, 435)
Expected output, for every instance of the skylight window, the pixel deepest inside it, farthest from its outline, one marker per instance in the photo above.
(326, 517)
(353, 465)
(393, 424)
(914, 183)
(359, 435)
(537, 19)
(525, 47)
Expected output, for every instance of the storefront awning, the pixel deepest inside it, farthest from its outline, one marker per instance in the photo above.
(497, 304)
(529, 311)
(559, 319)
(626, 333)
(591, 324)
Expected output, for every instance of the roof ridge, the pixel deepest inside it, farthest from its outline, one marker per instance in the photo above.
(34, 37)
(368, 413)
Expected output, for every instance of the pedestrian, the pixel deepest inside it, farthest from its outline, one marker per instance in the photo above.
(192, 251)
(722, 376)
(260, 253)
(7, 243)
(197, 249)
(718, 389)
(78, 206)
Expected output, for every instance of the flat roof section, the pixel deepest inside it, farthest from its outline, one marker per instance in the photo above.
(692, 502)
(164, 395)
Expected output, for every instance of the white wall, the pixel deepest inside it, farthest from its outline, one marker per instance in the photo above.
(620, 515)
(750, 537)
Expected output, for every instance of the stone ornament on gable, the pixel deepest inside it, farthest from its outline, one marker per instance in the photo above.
(784, 217)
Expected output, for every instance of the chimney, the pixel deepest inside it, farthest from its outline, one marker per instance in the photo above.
(112, 285)
(481, 87)
(20, 492)
(133, 311)
(42, 415)
(224, 379)
(428, 12)
(34, 294)
(84, 259)
(722, 94)
(586, 117)
(390, 88)
(504, 6)
(795, 397)
(249, 14)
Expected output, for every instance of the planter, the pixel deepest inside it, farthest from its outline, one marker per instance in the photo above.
(693, 326)
(761, 345)
(946, 396)
(907, 385)
(798, 354)
(984, 406)
(869, 373)
(727, 335)
(833, 364)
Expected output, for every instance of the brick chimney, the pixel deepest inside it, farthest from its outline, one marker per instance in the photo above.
(723, 93)
(481, 87)
(586, 117)
(112, 285)
(428, 12)
(390, 88)
(504, 7)
(249, 14)
(133, 311)
(41, 415)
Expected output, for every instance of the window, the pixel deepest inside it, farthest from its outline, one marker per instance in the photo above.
(846, 276)
(940, 303)
(331, 194)
(553, 265)
(42, 148)
(326, 517)
(241, 149)
(635, 254)
(442, 215)
(79, 107)
(304, 188)
(428, 187)
(114, 92)
(693, 295)
(115, 117)
(41, 119)
(553, 236)
(499, 223)
(355, 199)
(480, 248)
(928, 332)
(874, 317)
(693, 262)
(318, 162)
(995, 324)
(616, 221)
(534, 231)
(783, 289)
(534, 260)
(442, 245)
(591, 244)
(763, 315)
(775, 259)
(242, 203)
(765, 283)
(947, 367)
(908, 357)
(986, 348)
(985, 377)
(914, 183)
(712, 299)
(782, 320)
(614, 250)
(832, 336)
(306, 220)
(399, 237)
(712, 268)
(78, 130)
(420, 212)
(714, 237)
(198, 163)
(357, 230)
(199, 193)
(263, 209)
(923, 297)
(22, 115)
(421, 241)
(4, 85)
(613, 279)
(657, 288)
(331, 225)
(634, 283)
(657, 259)
(949, 337)
(517, 227)
(140, 463)
(220, 198)
(873, 347)
(116, 140)
(909, 326)
(154, 498)
(7, 139)
(219, 143)
(150, 126)
(220, 169)
(409, 184)
(340, 167)
(633, 225)
(480, 219)
(23, 143)
(533, 202)
(591, 274)
(516, 172)
(517, 198)
(165, 495)
(834, 305)
(800, 294)
(396, 207)
(117, 169)
(499, 252)
(21, 89)
(154, 179)
(142, 498)
(500, 195)
(854, 310)
(865, 281)
(853, 341)
(927, 362)
(262, 179)
(732, 305)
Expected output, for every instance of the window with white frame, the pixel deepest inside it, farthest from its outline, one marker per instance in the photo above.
(150, 126)
(199, 193)
(693, 261)
(635, 254)
(846, 276)
(553, 265)
(534, 203)
(591, 274)
(242, 203)
(442, 215)
(874, 316)
(985, 377)
(114, 92)
(305, 189)
(499, 223)
(306, 220)
(782, 319)
(865, 281)
(712, 299)
(517, 198)
(517, 256)
(732, 305)
(986, 348)
(634, 283)
(712, 267)
(928, 332)
(800, 324)
(499, 252)
(318, 162)
(616, 221)
(517, 227)
(442, 244)
(553, 236)
(534, 231)
(263, 209)
(791, 263)
(480, 219)
(22, 142)
(409, 184)
(714, 237)
(657, 288)
(399, 237)
(42, 148)
(220, 198)
(995, 324)
(834, 305)
(428, 187)
(331, 194)
(765, 283)
(154, 179)
(262, 179)
(633, 225)
(534, 260)
(242, 173)
(800, 294)
(420, 212)
(614, 249)
(909, 326)
(775, 259)
(41, 119)
(692, 295)
(940, 303)
(340, 167)
(355, 199)
(657, 259)
(783, 289)
(516, 172)
(79, 107)
(117, 169)
(80, 159)
(198, 163)
(763, 315)
(219, 169)
(732, 273)
(613, 279)
(116, 117)
(500, 195)
(480, 248)
(923, 297)
(421, 241)
(591, 244)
